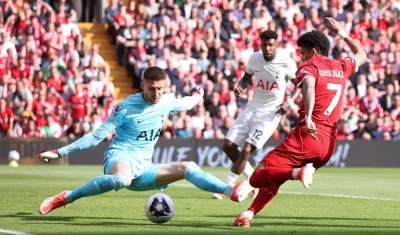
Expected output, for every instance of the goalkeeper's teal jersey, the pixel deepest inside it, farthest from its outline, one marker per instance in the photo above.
(137, 126)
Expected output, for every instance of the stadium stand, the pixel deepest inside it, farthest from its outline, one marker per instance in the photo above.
(53, 80)
(204, 43)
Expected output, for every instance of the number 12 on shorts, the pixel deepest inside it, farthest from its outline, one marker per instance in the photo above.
(257, 134)
(335, 100)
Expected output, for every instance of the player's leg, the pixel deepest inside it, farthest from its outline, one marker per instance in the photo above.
(281, 159)
(234, 139)
(231, 177)
(264, 197)
(119, 175)
(192, 172)
(278, 175)
(262, 128)
(265, 194)
(291, 160)
(231, 150)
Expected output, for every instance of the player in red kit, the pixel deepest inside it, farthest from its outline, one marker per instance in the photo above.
(312, 142)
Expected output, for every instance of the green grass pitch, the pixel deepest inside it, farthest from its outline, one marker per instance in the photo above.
(341, 201)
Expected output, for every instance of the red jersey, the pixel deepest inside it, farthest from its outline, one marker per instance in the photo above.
(20, 73)
(56, 83)
(78, 104)
(55, 100)
(4, 66)
(5, 119)
(330, 81)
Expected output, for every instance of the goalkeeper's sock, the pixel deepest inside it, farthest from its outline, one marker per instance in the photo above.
(96, 186)
(264, 196)
(270, 176)
(206, 181)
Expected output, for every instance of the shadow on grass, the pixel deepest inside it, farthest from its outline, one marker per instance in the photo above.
(308, 218)
(33, 217)
(244, 231)
(180, 225)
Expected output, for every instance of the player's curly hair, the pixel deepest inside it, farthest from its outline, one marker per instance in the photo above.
(154, 73)
(268, 35)
(316, 40)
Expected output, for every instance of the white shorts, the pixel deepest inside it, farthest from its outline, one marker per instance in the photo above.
(253, 127)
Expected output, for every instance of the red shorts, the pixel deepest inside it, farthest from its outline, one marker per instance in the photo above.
(299, 149)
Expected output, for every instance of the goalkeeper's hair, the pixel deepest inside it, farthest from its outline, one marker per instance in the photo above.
(316, 40)
(154, 73)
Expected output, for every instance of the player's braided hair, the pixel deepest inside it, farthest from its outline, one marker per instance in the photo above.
(154, 73)
(268, 35)
(316, 40)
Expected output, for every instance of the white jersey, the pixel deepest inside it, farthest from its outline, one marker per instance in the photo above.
(270, 80)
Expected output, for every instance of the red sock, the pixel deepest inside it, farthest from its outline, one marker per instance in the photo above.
(264, 196)
(270, 176)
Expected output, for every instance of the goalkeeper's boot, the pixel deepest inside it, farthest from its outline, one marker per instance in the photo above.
(53, 202)
(241, 190)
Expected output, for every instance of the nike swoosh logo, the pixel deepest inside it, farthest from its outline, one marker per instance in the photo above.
(140, 121)
(257, 71)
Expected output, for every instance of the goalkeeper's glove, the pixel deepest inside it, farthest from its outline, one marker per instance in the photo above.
(196, 90)
(47, 156)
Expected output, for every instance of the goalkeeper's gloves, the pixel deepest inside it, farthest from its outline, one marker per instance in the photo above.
(196, 90)
(47, 156)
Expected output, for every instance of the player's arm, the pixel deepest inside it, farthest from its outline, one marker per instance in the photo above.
(243, 84)
(359, 54)
(188, 102)
(247, 77)
(90, 140)
(285, 106)
(245, 81)
(290, 75)
(308, 91)
(295, 94)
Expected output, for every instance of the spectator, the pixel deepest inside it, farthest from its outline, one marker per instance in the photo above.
(198, 120)
(51, 128)
(208, 131)
(75, 131)
(395, 133)
(6, 119)
(197, 43)
(187, 131)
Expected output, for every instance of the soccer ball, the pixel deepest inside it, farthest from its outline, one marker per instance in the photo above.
(159, 208)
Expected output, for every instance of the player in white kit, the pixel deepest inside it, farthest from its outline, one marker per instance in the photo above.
(259, 120)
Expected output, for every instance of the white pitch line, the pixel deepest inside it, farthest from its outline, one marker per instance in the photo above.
(316, 194)
(12, 232)
(341, 196)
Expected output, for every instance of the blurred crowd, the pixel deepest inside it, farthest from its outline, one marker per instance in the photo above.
(46, 67)
(51, 83)
(208, 43)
